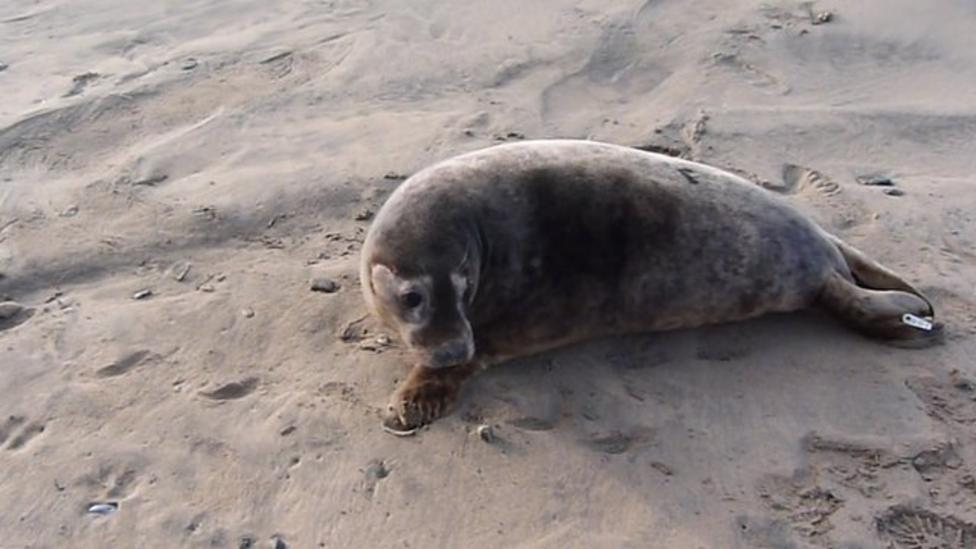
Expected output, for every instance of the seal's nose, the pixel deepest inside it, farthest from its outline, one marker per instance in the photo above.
(452, 353)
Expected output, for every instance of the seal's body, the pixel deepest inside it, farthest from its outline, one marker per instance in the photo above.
(523, 247)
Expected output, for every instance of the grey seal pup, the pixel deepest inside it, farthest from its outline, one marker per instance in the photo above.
(523, 247)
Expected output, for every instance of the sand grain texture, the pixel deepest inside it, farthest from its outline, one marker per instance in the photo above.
(222, 156)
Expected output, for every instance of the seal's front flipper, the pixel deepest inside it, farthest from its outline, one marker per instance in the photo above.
(904, 318)
(426, 394)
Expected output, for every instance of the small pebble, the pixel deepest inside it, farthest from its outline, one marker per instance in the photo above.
(10, 309)
(325, 285)
(364, 215)
(486, 433)
(377, 470)
(150, 180)
(894, 192)
(70, 211)
(822, 17)
(142, 294)
(248, 313)
(206, 288)
(189, 64)
(106, 508)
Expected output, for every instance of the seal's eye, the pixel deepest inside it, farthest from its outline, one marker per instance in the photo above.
(411, 300)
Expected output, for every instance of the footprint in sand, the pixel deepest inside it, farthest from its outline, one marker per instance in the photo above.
(755, 76)
(934, 463)
(908, 528)
(852, 464)
(804, 505)
(951, 400)
(812, 495)
(801, 180)
(18, 437)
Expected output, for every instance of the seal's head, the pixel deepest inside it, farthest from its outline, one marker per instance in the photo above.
(424, 293)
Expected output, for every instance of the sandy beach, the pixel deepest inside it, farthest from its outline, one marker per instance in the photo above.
(175, 177)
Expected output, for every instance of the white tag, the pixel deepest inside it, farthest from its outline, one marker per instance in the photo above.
(916, 322)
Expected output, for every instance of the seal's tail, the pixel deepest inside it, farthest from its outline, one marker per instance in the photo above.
(870, 274)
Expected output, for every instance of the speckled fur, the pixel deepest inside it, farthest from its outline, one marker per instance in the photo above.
(570, 240)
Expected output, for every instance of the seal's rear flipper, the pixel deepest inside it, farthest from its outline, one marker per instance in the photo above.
(902, 317)
(870, 274)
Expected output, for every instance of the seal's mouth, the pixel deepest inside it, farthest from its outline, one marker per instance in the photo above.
(450, 353)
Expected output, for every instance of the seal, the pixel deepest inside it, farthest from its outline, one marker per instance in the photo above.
(523, 247)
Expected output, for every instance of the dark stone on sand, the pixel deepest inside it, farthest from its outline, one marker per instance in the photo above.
(324, 285)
